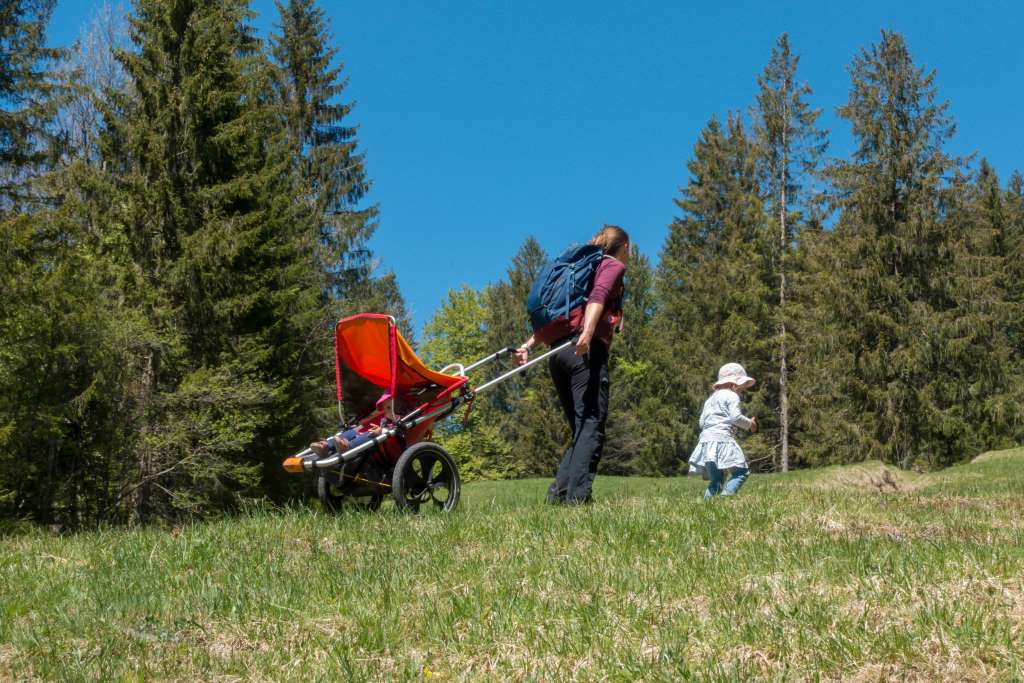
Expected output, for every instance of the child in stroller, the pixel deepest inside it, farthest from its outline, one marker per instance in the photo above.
(382, 417)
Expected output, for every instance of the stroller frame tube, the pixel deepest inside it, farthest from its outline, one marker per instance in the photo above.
(488, 359)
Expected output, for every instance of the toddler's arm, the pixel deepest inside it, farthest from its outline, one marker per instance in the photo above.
(736, 417)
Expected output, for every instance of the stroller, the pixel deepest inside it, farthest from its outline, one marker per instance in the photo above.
(393, 400)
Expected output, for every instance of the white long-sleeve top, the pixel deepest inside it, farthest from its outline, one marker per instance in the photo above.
(721, 416)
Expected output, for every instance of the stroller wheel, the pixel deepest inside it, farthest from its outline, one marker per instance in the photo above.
(426, 478)
(334, 500)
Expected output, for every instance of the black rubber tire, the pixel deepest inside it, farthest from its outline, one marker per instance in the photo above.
(336, 502)
(423, 471)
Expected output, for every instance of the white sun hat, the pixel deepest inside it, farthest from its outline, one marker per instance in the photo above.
(733, 373)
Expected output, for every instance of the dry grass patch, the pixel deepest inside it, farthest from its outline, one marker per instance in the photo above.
(234, 642)
(8, 655)
(853, 530)
(947, 668)
(871, 476)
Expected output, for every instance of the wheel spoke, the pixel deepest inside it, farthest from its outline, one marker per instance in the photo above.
(422, 466)
(440, 485)
(428, 480)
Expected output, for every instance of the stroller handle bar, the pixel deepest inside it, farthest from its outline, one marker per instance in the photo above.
(348, 456)
(487, 359)
(463, 371)
(515, 371)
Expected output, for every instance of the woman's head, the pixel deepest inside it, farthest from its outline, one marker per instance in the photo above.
(613, 241)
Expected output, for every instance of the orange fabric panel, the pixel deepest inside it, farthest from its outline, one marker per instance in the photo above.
(364, 347)
(412, 371)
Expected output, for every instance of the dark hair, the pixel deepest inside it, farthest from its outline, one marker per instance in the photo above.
(610, 238)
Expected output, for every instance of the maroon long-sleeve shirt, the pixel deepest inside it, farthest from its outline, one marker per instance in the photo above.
(607, 289)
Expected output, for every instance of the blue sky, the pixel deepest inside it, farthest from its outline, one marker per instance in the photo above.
(486, 122)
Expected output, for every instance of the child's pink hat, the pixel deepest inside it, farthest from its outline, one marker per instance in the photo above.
(733, 373)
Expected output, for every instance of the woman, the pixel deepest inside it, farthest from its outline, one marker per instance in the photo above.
(580, 372)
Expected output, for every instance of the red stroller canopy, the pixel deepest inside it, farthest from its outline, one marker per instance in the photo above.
(370, 346)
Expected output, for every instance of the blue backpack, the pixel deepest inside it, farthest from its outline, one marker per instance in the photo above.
(561, 286)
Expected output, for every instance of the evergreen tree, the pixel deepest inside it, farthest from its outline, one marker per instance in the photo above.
(211, 256)
(713, 283)
(167, 293)
(323, 147)
(59, 356)
(27, 96)
(639, 421)
(1008, 207)
(987, 314)
(790, 146)
(332, 182)
(903, 285)
(62, 368)
(527, 410)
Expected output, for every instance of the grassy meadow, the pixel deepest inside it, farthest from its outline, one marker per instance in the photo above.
(853, 573)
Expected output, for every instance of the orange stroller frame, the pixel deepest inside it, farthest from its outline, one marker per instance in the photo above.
(394, 401)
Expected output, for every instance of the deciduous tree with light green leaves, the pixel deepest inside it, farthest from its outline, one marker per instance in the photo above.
(457, 333)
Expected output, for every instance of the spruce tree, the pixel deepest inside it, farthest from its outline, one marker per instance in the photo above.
(790, 148)
(60, 360)
(714, 284)
(27, 96)
(211, 255)
(526, 408)
(1010, 245)
(903, 286)
(987, 313)
(324, 149)
(332, 182)
(639, 422)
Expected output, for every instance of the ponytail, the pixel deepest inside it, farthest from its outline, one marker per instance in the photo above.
(611, 238)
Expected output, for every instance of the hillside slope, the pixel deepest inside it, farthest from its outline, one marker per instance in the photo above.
(834, 571)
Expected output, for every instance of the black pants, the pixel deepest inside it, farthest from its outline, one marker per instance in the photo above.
(582, 385)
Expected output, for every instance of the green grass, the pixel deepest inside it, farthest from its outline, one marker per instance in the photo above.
(832, 573)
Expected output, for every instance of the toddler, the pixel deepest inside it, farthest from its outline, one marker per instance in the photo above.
(717, 450)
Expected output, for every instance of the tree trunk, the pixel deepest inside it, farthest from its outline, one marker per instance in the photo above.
(784, 249)
(143, 492)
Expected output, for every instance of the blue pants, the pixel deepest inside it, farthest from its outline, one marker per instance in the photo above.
(353, 436)
(716, 476)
